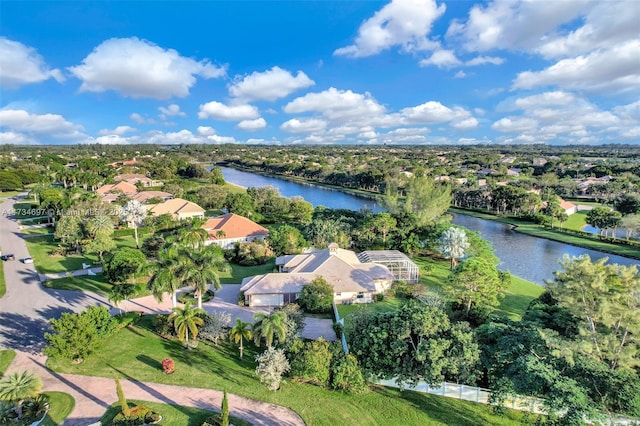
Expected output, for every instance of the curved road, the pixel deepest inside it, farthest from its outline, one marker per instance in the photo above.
(25, 311)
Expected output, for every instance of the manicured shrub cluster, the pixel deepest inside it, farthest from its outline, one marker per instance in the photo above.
(138, 415)
(163, 326)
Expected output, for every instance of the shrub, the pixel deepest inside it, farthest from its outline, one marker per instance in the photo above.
(338, 327)
(163, 326)
(136, 417)
(317, 296)
(399, 289)
(311, 362)
(125, 319)
(346, 375)
(241, 298)
(378, 297)
(189, 296)
(168, 366)
(215, 326)
(272, 364)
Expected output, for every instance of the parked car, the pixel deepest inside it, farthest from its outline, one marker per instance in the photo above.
(8, 257)
(27, 260)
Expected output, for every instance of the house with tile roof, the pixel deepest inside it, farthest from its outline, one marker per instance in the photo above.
(178, 208)
(230, 228)
(351, 279)
(143, 196)
(110, 192)
(134, 178)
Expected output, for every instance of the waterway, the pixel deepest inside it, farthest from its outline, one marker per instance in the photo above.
(531, 258)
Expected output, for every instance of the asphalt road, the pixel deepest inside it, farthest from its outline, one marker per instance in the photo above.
(27, 307)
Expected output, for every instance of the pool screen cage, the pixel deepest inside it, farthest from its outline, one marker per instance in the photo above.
(402, 268)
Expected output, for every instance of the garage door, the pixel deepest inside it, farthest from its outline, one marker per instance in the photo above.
(266, 300)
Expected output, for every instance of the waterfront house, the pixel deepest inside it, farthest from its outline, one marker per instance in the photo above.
(230, 228)
(178, 208)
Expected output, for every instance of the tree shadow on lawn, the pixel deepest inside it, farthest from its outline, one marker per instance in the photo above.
(446, 410)
(156, 365)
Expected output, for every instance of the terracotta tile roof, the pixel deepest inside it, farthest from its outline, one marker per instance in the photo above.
(132, 177)
(233, 226)
(121, 186)
(567, 204)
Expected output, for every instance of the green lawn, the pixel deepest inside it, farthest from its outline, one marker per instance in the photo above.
(576, 221)
(36, 231)
(61, 405)
(23, 209)
(518, 296)
(9, 194)
(40, 249)
(136, 353)
(238, 272)
(6, 358)
(388, 304)
(540, 231)
(3, 284)
(171, 414)
(94, 283)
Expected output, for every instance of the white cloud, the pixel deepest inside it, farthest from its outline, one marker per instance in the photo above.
(120, 130)
(23, 65)
(555, 98)
(433, 112)
(481, 60)
(250, 125)
(140, 69)
(403, 23)
(460, 74)
(614, 70)
(514, 24)
(13, 138)
(515, 124)
(309, 125)
(631, 110)
(466, 124)
(206, 131)
(441, 59)
(137, 118)
(270, 85)
(40, 126)
(337, 105)
(221, 111)
(172, 110)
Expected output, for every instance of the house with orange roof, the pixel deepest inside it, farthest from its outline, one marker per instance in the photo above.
(178, 208)
(230, 228)
(352, 280)
(110, 192)
(134, 178)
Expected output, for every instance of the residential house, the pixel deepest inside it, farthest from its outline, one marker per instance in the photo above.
(178, 208)
(111, 192)
(134, 178)
(569, 207)
(351, 279)
(143, 196)
(228, 229)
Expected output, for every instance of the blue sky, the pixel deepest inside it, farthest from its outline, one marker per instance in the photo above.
(320, 72)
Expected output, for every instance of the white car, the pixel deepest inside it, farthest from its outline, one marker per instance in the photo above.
(27, 260)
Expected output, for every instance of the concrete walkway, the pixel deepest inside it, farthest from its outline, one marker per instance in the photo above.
(78, 273)
(94, 395)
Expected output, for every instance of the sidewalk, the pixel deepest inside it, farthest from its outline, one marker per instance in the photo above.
(78, 273)
(94, 395)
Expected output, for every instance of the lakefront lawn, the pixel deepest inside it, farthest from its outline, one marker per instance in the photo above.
(136, 353)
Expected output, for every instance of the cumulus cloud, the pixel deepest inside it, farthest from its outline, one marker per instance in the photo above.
(614, 70)
(251, 125)
(337, 105)
(442, 59)
(433, 112)
(402, 23)
(221, 111)
(515, 124)
(120, 130)
(270, 85)
(13, 138)
(309, 125)
(481, 60)
(465, 124)
(39, 125)
(172, 110)
(513, 24)
(23, 65)
(140, 69)
(206, 131)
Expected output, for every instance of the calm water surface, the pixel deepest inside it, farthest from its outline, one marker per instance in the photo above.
(534, 259)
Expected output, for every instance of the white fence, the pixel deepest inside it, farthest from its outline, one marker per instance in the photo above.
(340, 321)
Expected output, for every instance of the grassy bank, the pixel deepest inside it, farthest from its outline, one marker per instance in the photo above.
(136, 353)
(6, 358)
(171, 414)
(535, 230)
(62, 405)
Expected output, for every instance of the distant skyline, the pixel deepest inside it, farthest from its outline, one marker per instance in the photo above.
(320, 72)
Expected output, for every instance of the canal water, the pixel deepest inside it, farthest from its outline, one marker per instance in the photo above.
(534, 259)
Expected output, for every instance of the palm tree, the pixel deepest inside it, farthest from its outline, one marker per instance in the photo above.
(452, 244)
(98, 224)
(121, 292)
(134, 213)
(165, 278)
(19, 386)
(193, 237)
(267, 326)
(186, 320)
(200, 267)
(239, 332)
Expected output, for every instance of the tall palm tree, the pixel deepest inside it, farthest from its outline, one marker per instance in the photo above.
(193, 237)
(165, 276)
(134, 213)
(239, 332)
(18, 387)
(200, 267)
(98, 224)
(186, 320)
(453, 243)
(266, 327)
